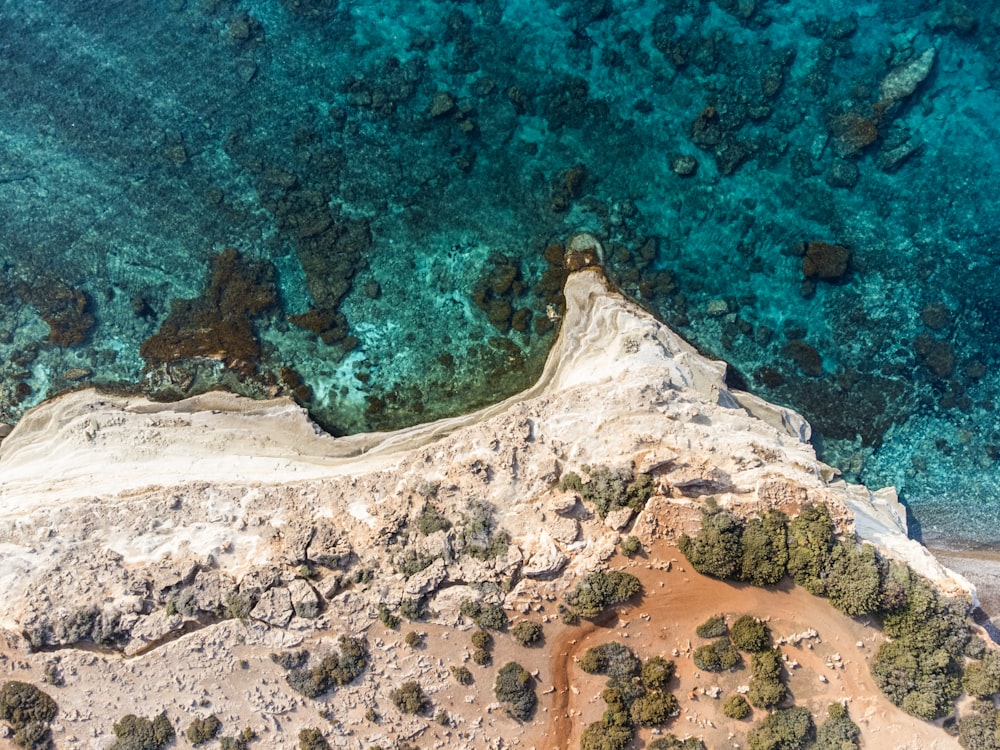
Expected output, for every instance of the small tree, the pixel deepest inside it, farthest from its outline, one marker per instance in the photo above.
(527, 633)
(750, 634)
(838, 732)
(312, 739)
(410, 698)
(736, 707)
(785, 729)
(201, 731)
(515, 688)
(657, 673)
(717, 656)
(462, 675)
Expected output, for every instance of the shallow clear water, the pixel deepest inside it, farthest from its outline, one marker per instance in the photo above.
(393, 172)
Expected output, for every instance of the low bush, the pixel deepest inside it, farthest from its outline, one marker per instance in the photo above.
(290, 660)
(981, 679)
(527, 633)
(671, 742)
(410, 698)
(654, 709)
(482, 657)
(22, 703)
(979, 728)
(431, 520)
(766, 688)
(657, 673)
(387, 618)
(613, 659)
(462, 675)
(607, 734)
(736, 707)
(764, 549)
(716, 550)
(34, 736)
(482, 639)
(312, 739)
(717, 656)
(599, 590)
(838, 732)
(137, 733)
(785, 729)
(414, 639)
(750, 634)
(713, 627)
(515, 688)
(609, 489)
(631, 546)
(201, 731)
(335, 670)
(486, 616)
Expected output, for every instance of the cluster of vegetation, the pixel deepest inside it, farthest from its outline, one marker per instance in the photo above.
(599, 590)
(713, 627)
(631, 546)
(609, 489)
(410, 562)
(717, 656)
(766, 687)
(432, 520)
(785, 729)
(414, 639)
(414, 610)
(386, 617)
(672, 742)
(101, 626)
(312, 739)
(736, 707)
(139, 733)
(636, 695)
(201, 731)
(239, 742)
(482, 647)
(980, 728)
(750, 634)
(29, 711)
(920, 668)
(515, 689)
(486, 616)
(528, 633)
(478, 535)
(461, 674)
(334, 670)
(410, 698)
(838, 732)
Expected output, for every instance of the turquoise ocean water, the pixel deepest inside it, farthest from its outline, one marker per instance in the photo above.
(804, 189)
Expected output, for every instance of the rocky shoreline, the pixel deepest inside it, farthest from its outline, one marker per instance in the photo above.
(136, 525)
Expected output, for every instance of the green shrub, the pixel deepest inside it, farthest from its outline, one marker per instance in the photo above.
(613, 659)
(785, 729)
(764, 549)
(411, 562)
(631, 546)
(240, 742)
(736, 707)
(312, 739)
(482, 657)
(137, 733)
(34, 736)
(750, 634)
(414, 609)
(854, 579)
(671, 742)
(919, 669)
(713, 627)
(410, 698)
(981, 679)
(515, 688)
(527, 633)
(462, 675)
(810, 546)
(22, 703)
(600, 590)
(607, 734)
(333, 671)
(716, 550)
(838, 732)
(717, 656)
(766, 688)
(431, 520)
(486, 616)
(979, 729)
(289, 660)
(482, 639)
(654, 709)
(387, 618)
(414, 639)
(478, 535)
(657, 673)
(609, 489)
(201, 731)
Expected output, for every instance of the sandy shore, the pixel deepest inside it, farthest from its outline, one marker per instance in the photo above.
(982, 568)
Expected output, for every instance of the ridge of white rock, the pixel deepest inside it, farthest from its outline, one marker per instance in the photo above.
(99, 492)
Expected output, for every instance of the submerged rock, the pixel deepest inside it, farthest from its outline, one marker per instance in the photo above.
(823, 260)
(903, 80)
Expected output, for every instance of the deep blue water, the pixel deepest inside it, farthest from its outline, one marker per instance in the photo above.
(391, 174)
